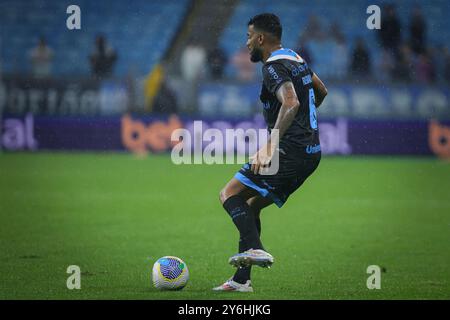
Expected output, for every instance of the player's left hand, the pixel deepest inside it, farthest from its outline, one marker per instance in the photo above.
(262, 158)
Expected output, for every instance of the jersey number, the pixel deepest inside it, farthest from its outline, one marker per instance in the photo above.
(312, 110)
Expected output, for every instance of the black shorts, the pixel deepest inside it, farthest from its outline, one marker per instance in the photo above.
(293, 171)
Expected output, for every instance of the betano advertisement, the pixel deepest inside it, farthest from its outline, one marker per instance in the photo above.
(153, 134)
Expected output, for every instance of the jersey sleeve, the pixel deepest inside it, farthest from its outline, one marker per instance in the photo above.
(274, 75)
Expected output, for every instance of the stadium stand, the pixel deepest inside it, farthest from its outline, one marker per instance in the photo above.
(140, 31)
(294, 15)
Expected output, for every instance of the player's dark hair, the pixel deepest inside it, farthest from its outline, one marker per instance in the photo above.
(267, 22)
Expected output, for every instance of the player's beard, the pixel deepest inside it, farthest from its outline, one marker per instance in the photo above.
(256, 55)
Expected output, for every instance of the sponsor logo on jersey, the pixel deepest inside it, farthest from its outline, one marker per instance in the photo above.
(313, 149)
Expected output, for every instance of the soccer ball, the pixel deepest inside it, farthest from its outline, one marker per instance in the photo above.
(170, 273)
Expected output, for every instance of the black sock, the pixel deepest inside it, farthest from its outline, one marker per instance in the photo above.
(242, 275)
(244, 220)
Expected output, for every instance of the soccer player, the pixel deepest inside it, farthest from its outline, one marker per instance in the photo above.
(290, 94)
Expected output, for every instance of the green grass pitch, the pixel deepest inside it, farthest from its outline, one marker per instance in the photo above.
(114, 215)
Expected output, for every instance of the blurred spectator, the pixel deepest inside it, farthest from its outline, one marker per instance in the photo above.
(313, 30)
(102, 58)
(217, 61)
(165, 101)
(417, 29)
(0, 61)
(245, 68)
(303, 51)
(361, 64)
(437, 56)
(446, 72)
(389, 34)
(41, 58)
(340, 54)
(336, 32)
(424, 68)
(403, 70)
(385, 62)
(193, 61)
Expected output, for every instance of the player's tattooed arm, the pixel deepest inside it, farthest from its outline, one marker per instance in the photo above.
(320, 91)
(288, 110)
(289, 107)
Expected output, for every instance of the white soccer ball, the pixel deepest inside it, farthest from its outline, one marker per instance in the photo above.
(170, 273)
